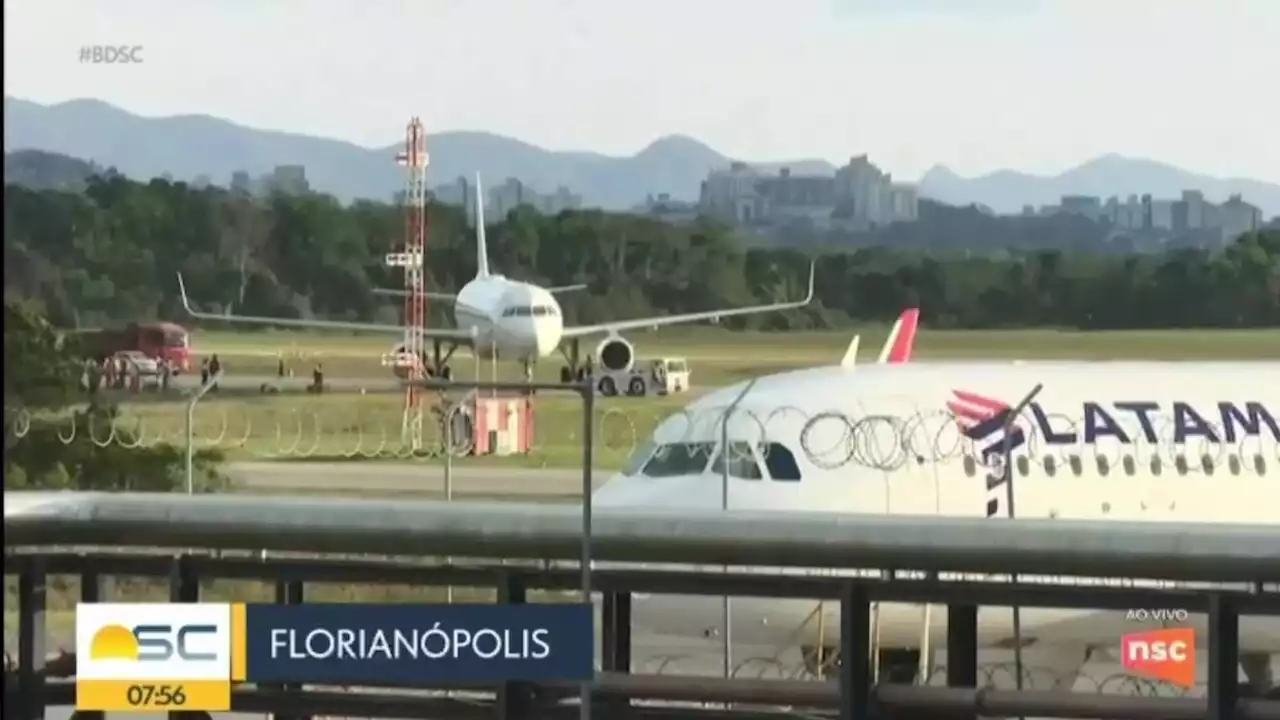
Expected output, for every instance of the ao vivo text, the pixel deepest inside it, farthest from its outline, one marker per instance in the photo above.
(1157, 614)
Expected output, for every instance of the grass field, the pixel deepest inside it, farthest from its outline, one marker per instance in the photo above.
(352, 425)
(718, 356)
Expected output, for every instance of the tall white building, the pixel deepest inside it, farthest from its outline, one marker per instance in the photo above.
(859, 196)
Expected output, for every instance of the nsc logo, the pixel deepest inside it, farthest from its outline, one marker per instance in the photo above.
(154, 656)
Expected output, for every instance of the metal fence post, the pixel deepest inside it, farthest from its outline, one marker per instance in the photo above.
(588, 391)
(191, 415)
(514, 697)
(32, 599)
(290, 592)
(855, 653)
(1224, 654)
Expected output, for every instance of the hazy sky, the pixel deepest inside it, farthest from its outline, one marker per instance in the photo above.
(1034, 85)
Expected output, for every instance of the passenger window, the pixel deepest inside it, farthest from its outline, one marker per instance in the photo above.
(742, 464)
(1180, 463)
(638, 458)
(1233, 464)
(780, 462)
(1024, 466)
(1206, 464)
(1104, 465)
(970, 465)
(1259, 464)
(1077, 466)
(674, 459)
(1156, 465)
(1130, 466)
(1050, 466)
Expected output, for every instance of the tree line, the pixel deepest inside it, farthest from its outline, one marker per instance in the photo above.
(110, 251)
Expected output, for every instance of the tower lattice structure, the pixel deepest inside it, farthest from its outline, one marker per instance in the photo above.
(414, 159)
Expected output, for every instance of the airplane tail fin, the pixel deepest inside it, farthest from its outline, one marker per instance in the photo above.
(902, 338)
(482, 250)
(851, 355)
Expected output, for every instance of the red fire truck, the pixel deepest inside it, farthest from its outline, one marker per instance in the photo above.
(165, 342)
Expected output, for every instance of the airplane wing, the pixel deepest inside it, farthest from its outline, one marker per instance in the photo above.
(659, 321)
(566, 288)
(462, 337)
(396, 292)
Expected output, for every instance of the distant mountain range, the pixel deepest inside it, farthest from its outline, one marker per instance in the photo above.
(189, 146)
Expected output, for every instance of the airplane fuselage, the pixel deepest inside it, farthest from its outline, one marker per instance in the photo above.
(1136, 442)
(515, 320)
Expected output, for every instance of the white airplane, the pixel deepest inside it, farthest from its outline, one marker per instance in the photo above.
(1123, 441)
(497, 316)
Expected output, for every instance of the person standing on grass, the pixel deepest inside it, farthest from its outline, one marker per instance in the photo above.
(204, 372)
(214, 368)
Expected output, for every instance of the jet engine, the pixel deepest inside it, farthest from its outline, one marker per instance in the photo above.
(615, 355)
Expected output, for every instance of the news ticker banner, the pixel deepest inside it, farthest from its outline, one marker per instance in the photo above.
(159, 656)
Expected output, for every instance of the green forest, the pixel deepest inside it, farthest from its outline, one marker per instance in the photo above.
(111, 251)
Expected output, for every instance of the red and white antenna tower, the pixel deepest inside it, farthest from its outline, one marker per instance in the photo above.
(413, 259)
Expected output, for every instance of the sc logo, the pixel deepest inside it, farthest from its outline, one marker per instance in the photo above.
(153, 643)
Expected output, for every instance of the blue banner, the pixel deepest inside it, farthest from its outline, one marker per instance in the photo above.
(350, 643)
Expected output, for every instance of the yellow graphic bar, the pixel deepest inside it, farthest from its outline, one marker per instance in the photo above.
(237, 642)
(138, 695)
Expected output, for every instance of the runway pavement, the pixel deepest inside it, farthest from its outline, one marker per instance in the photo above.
(469, 481)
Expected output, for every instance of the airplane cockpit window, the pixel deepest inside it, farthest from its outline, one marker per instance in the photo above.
(780, 462)
(672, 459)
(638, 458)
(742, 464)
(518, 311)
(543, 311)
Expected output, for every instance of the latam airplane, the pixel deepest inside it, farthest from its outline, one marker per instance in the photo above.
(500, 317)
(1123, 441)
